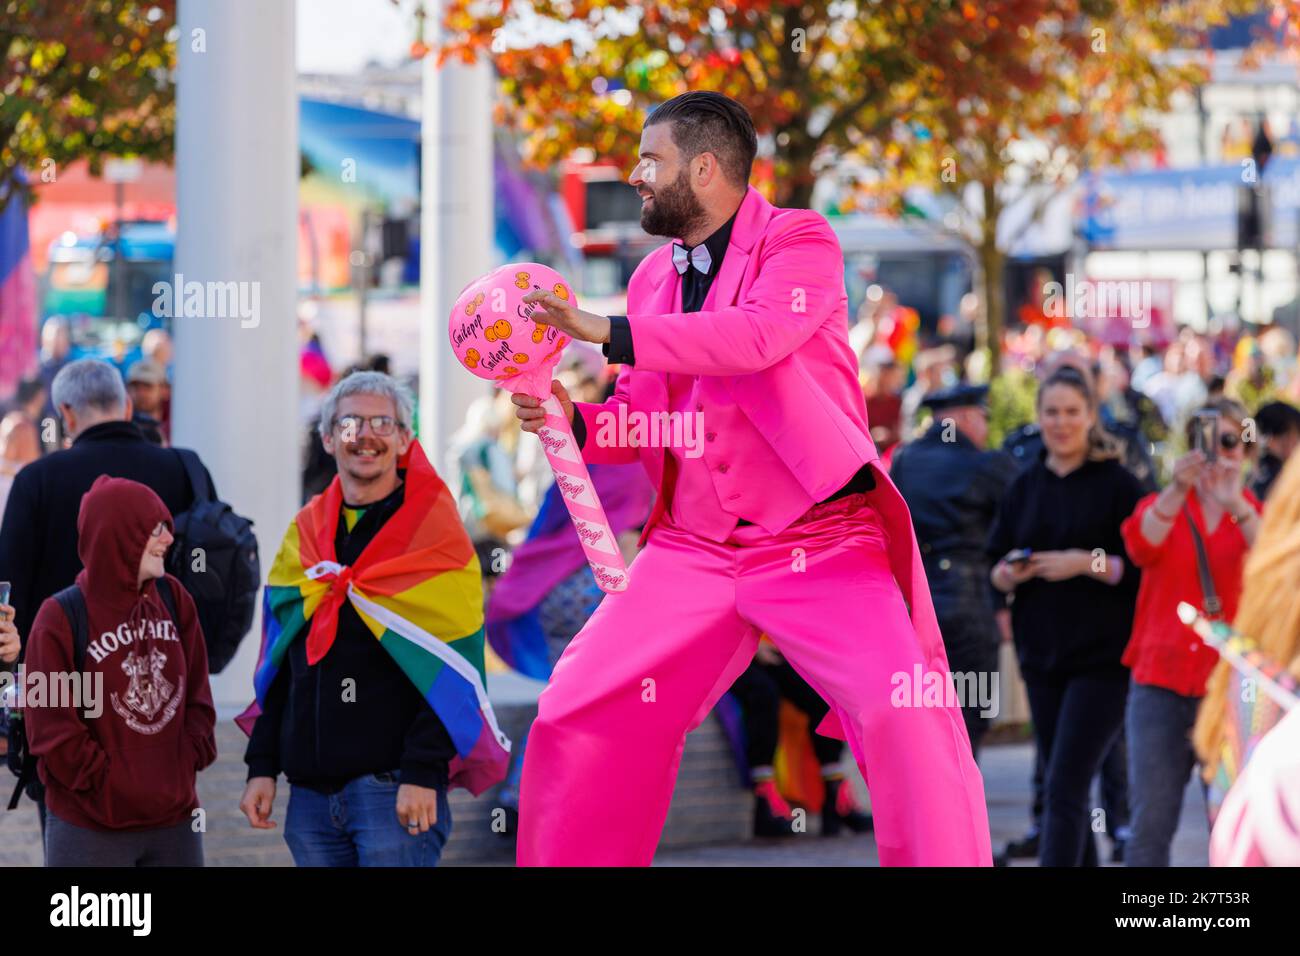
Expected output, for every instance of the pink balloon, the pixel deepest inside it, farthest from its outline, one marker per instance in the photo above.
(493, 332)
(494, 335)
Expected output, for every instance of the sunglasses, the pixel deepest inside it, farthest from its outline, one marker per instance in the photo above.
(1228, 441)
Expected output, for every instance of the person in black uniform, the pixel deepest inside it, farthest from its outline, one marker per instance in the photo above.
(952, 486)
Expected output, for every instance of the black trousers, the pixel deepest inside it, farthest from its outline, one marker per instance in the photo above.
(759, 690)
(1076, 720)
(1112, 783)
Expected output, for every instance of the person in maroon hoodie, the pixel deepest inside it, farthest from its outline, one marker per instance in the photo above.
(119, 770)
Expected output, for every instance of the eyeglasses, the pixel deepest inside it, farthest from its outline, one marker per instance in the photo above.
(1228, 441)
(350, 425)
(158, 530)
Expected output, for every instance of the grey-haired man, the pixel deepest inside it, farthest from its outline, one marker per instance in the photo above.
(38, 540)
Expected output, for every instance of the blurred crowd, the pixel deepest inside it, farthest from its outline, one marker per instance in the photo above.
(1146, 392)
(30, 427)
(1101, 491)
(1064, 509)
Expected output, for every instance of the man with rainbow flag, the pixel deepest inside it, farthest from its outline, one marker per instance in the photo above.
(371, 696)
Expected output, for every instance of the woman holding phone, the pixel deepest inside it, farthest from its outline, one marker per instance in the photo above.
(1171, 665)
(1060, 556)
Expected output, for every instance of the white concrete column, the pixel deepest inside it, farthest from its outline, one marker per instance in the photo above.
(236, 373)
(456, 233)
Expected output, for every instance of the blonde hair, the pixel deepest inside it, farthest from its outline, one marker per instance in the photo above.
(1269, 612)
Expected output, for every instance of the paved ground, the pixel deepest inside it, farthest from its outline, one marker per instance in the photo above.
(1006, 769)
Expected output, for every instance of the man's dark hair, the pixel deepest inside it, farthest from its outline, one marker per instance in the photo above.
(1277, 418)
(708, 122)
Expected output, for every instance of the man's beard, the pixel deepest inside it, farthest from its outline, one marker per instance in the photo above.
(674, 211)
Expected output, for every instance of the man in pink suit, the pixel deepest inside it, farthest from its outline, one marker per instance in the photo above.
(774, 515)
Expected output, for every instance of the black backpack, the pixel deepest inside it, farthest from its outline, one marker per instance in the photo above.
(21, 760)
(229, 575)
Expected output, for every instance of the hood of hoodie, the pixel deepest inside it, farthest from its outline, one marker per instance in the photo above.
(116, 520)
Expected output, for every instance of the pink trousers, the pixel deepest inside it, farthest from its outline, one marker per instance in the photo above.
(603, 754)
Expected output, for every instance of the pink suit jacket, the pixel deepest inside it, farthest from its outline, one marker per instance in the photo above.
(771, 340)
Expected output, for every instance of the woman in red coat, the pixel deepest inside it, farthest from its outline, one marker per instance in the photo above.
(1169, 663)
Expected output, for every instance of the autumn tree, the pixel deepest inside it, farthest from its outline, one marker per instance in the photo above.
(1023, 112)
(84, 79)
(819, 78)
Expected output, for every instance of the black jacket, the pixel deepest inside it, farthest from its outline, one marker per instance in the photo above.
(953, 490)
(354, 712)
(38, 541)
(1079, 625)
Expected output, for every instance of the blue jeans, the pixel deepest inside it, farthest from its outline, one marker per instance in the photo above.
(358, 826)
(1160, 759)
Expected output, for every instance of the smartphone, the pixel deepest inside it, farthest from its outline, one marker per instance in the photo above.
(9, 694)
(1206, 434)
(1018, 556)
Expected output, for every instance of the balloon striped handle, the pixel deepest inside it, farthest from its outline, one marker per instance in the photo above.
(579, 495)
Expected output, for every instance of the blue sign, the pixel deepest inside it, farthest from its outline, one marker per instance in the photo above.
(1176, 209)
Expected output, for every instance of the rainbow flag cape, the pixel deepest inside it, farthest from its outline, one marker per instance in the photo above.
(417, 587)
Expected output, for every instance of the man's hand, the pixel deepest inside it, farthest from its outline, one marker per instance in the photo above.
(417, 807)
(530, 413)
(10, 645)
(258, 799)
(552, 310)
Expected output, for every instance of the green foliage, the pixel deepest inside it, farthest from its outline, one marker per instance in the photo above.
(1011, 404)
(84, 79)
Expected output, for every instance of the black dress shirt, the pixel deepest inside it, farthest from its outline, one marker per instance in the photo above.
(1078, 625)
